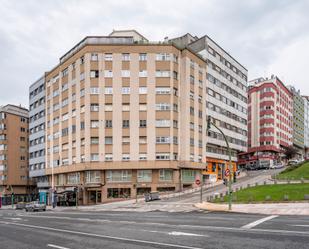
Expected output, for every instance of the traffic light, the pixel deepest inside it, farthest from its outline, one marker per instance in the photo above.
(225, 181)
(234, 177)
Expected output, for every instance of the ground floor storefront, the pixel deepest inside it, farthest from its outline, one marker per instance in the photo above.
(102, 186)
(215, 169)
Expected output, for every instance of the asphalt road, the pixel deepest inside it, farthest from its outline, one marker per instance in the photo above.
(137, 230)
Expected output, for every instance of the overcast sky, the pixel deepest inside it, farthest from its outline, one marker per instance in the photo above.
(266, 36)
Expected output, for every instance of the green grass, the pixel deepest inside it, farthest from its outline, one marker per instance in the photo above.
(296, 172)
(274, 192)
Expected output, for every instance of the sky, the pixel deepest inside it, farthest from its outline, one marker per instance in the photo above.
(266, 36)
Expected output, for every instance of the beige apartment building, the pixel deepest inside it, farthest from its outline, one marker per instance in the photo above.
(14, 152)
(125, 116)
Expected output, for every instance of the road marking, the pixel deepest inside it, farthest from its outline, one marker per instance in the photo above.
(258, 222)
(103, 236)
(175, 233)
(55, 246)
(299, 225)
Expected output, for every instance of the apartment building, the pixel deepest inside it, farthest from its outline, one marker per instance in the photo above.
(270, 122)
(226, 102)
(298, 122)
(14, 152)
(306, 127)
(125, 116)
(37, 137)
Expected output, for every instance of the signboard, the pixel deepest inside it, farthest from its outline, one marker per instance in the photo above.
(197, 181)
(227, 172)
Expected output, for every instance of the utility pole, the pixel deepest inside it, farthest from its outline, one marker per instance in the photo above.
(209, 123)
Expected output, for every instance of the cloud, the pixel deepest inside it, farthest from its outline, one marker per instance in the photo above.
(261, 34)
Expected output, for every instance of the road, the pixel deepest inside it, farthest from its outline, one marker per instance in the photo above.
(186, 202)
(140, 230)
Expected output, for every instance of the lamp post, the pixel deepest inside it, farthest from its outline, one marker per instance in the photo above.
(209, 123)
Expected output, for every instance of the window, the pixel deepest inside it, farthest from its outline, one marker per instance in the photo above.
(162, 156)
(82, 92)
(94, 74)
(163, 90)
(142, 156)
(94, 124)
(144, 175)
(126, 57)
(93, 176)
(65, 116)
(125, 123)
(142, 139)
(165, 174)
(163, 107)
(125, 73)
(126, 107)
(108, 107)
(160, 73)
(162, 57)
(118, 175)
(108, 123)
(108, 57)
(143, 123)
(94, 140)
(94, 157)
(94, 107)
(142, 73)
(125, 157)
(108, 90)
(142, 107)
(143, 57)
(94, 90)
(108, 157)
(94, 57)
(108, 140)
(162, 140)
(108, 74)
(142, 90)
(82, 125)
(73, 178)
(82, 76)
(163, 123)
(126, 140)
(175, 123)
(125, 90)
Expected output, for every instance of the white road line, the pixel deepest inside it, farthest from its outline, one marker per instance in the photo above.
(103, 236)
(258, 222)
(55, 246)
(299, 225)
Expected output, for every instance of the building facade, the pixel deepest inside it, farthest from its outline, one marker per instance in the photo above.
(125, 116)
(306, 127)
(37, 136)
(270, 122)
(226, 102)
(14, 178)
(298, 122)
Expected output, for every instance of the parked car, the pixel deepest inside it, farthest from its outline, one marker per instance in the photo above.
(35, 206)
(152, 196)
(20, 205)
(293, 162)
(277, 166)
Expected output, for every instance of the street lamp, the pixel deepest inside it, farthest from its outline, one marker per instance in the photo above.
(209, 123)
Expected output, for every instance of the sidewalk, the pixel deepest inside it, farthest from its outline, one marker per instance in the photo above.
(295, 208)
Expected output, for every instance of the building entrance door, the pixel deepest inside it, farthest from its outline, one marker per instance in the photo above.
(94, 196)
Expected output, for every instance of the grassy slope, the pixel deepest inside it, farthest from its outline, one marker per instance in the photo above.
(295, 192)
(296, 172)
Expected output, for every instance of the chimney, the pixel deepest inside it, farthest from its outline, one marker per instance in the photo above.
(166, 39)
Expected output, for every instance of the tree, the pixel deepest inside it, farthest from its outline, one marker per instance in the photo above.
(290, 152)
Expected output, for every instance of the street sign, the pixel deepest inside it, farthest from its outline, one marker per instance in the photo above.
(197, 181)
(227, 172)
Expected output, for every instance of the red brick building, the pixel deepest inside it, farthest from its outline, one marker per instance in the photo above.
(270, 122)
